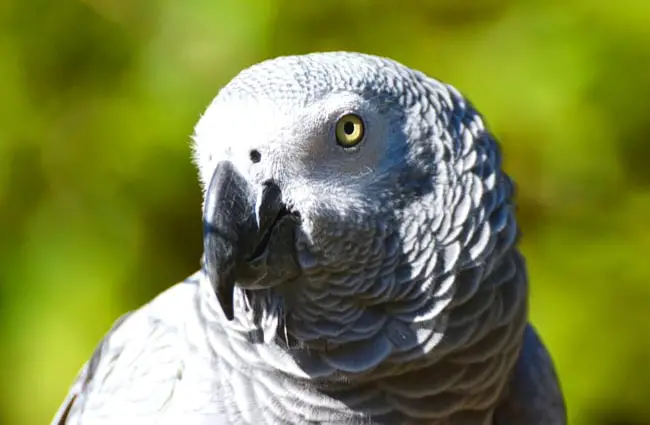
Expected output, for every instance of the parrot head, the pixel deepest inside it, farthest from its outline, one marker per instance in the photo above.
(343, 196)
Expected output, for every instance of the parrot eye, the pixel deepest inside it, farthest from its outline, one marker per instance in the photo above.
(349, 130)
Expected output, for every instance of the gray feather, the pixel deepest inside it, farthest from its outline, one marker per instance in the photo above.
(533, 395)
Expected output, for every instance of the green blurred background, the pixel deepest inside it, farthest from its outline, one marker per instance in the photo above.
(100, 208)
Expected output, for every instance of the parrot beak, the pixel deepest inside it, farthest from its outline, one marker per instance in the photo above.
(268, 209)
(237, 224)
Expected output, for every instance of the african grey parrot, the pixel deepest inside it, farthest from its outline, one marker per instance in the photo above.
(360, 267)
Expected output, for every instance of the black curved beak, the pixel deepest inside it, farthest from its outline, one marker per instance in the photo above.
(237, 220)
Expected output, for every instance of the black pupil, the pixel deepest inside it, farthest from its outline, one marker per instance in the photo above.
(348, 128)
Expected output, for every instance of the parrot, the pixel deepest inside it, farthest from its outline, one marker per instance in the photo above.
(360, 265)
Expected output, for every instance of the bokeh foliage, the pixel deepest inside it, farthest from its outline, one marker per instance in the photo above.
(100, 207)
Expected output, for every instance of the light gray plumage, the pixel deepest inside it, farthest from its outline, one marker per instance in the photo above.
(407, 299)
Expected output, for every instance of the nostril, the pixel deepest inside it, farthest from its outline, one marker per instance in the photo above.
(255, 156)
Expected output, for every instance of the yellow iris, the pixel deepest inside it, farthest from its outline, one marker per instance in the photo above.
(349, 130)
